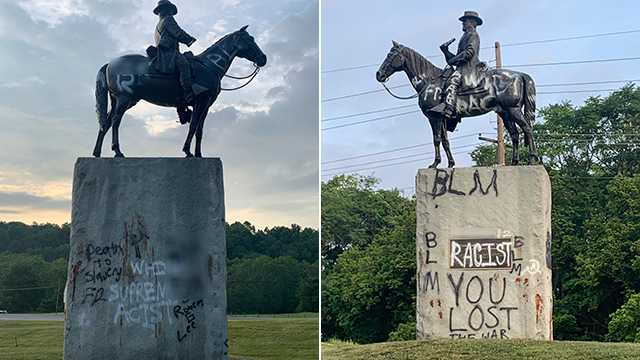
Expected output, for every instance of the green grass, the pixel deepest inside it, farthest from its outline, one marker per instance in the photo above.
(480, 350)
(269, 338)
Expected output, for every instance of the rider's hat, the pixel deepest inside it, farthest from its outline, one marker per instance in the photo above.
(165, 4)
(471, 15)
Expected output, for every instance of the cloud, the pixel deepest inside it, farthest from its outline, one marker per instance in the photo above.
(31, 201)
(266, 133)
(53, 12)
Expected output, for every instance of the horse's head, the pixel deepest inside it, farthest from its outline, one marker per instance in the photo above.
(247, 47)
(393, 63)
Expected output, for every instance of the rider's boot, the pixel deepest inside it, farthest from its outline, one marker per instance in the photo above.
(185, 81)
(451, 95)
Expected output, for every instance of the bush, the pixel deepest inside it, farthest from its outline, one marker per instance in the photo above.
(404, 332)
(625, 322)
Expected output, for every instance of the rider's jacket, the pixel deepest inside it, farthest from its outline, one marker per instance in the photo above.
(168, 36)
(466, 60)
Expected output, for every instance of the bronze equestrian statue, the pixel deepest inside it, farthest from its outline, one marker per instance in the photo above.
(466, 88)
(130, 78)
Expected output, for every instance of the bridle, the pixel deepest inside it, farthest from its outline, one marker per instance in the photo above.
(396, 96)
(250, 77)
(399, 97)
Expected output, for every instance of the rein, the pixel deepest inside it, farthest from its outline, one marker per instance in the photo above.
(250, 77)
(400, 97)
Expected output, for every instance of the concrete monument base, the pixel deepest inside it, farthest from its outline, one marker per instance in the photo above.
(484, 253)
(147, 271)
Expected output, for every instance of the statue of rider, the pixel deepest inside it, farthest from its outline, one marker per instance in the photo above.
(465, 60)
(168, 36)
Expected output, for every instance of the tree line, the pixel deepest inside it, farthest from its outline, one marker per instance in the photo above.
(592, 155)
(271, 270)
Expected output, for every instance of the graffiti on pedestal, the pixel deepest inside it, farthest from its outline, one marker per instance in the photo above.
(124, 275)
(475, 286)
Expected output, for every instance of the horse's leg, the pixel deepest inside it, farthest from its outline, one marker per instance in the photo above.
(517, 115)
(199, 138)
(97, 150)
(199, 111)
(436, 130)
(200, 130)
(120, 106)
(445, 145)
(512, 129)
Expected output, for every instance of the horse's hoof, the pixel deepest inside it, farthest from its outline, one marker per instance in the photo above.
(189, 155)
(451, 164)
(96, 154)
(198, 155)
(434, 165)
(534, 160)
(119, 155)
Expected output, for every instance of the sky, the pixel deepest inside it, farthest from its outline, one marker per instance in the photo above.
(266, 133)
(355, 33)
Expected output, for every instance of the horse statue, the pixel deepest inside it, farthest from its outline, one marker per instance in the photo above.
(504, 91)
(129, 79)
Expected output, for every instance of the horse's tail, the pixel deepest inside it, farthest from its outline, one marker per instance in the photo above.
(102, 101)
(529, 99)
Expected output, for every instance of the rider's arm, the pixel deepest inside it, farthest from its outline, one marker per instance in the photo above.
(447, 54)
(467, 53)
(172, 27)
(445, 49)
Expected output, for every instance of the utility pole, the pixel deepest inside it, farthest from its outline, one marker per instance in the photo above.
(500, 122)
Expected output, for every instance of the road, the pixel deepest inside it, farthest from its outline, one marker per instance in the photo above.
(60, 317)
(33, 317)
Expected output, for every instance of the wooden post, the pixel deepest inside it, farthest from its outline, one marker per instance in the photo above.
(499, 118)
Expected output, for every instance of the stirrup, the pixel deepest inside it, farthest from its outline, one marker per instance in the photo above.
(449, 111)
(189, 97)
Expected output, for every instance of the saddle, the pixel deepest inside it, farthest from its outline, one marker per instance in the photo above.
(465, 89)
(152, 52)
(184, 113)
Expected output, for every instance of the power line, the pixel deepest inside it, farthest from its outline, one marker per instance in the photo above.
(394, 150)
(391, 159)
(366, 113)
(573, 62)
(540, 85)
(370, 120)
(349, 68)
(537, 136)
(361, 93)
(537, 86)
(543, 141)
(393, 164)
(418, 111)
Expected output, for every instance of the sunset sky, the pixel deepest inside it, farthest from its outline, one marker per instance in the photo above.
(266, 133)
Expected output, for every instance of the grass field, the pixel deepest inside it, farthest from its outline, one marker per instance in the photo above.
(480, 350)
(255, 337)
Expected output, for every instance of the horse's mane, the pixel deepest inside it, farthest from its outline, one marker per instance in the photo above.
(217, 42)
(419, 64)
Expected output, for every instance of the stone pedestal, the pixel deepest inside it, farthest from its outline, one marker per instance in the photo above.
(484, 253)
(147, 271)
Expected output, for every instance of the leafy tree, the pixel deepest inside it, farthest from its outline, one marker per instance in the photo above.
(24, 275)
(307, 291)
(370, 290)
(263, 285)
(353, 213)
(625, 322)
